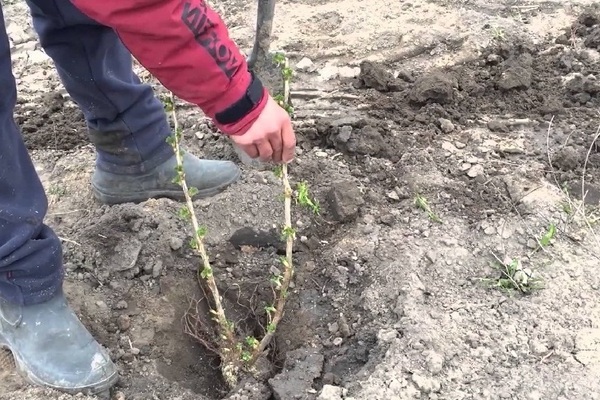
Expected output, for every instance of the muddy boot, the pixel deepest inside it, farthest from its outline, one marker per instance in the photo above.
(208, 176)
(52, 348)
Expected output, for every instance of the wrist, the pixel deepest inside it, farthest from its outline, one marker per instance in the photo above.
(238, 117)
(244, 105)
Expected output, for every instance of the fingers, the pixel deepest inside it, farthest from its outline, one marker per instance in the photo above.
(265, 150)
(288, 142)
(276, 142)
(251, 150)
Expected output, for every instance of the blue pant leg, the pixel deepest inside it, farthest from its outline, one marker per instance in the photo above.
(30, 252)
(127, 123)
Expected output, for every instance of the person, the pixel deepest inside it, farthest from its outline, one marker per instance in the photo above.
(185, 45)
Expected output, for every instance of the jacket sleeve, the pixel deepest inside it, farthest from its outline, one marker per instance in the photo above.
(186, 46)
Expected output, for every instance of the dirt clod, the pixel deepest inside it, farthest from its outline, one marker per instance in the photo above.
(376, 77)
(345, 200)
(437, 87)
(301, 368)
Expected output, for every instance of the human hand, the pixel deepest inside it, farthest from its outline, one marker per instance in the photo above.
(271, 137)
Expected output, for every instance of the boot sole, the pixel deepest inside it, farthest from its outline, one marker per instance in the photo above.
(99, 388)
(138, 197)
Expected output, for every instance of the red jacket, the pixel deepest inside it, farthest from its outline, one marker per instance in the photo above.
(186, 46)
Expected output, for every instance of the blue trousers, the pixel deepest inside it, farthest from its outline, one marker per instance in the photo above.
(126, 122)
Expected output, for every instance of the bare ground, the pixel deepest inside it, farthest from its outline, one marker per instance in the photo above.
(489, 112)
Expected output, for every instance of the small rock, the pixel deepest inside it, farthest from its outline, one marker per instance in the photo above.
(449, 147)
(402, 192)
(490, 230)
(344, 134)
(425, 384)
(321, 154)
(157, 269)
(329, 72)
(330, 392)
(436, 87)
(331, 379)
(70, 267)
(101, 305)
(304, 64)
(494, 59)
(121, 305)
(563, 39)
(393, 195)
(475, 171)
(435, 362)
(119, 396)
(310, 266)
(345, 200)
(582, 97)
(124, 322)
(175, 243)
(387, 335)
(376, 76)
(147, 268)
(460, 145)
(333, 327)
(497, 126)
(301, 368)
(446, 125)
(538, 348)
(348, 72)
(515, 77)
(344, 327)
(338, 341)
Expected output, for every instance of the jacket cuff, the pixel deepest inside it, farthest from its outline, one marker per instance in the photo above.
(237, 118)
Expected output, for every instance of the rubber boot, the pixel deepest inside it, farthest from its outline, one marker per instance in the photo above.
(208, 176)
(52, 348)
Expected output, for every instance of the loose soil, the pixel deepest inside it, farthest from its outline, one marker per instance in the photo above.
(490, 113)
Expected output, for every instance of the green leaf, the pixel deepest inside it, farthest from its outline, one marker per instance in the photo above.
(202, 231)
(304, 198)
(548, 236)
(270, 309)
(206, 273)
(246, 356)
(252, 342)
(288, 232)
(192, 191)
(184, 212)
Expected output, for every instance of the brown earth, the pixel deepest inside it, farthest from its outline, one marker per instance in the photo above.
(488, 112)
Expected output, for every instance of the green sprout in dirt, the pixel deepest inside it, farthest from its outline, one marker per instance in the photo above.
(304, 198)
(547, 237)
(421, 202)
(513, 277)
(227, 343)
(498, 34)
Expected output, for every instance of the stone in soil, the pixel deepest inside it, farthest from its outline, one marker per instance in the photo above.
(302, 367)
(345, 199)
